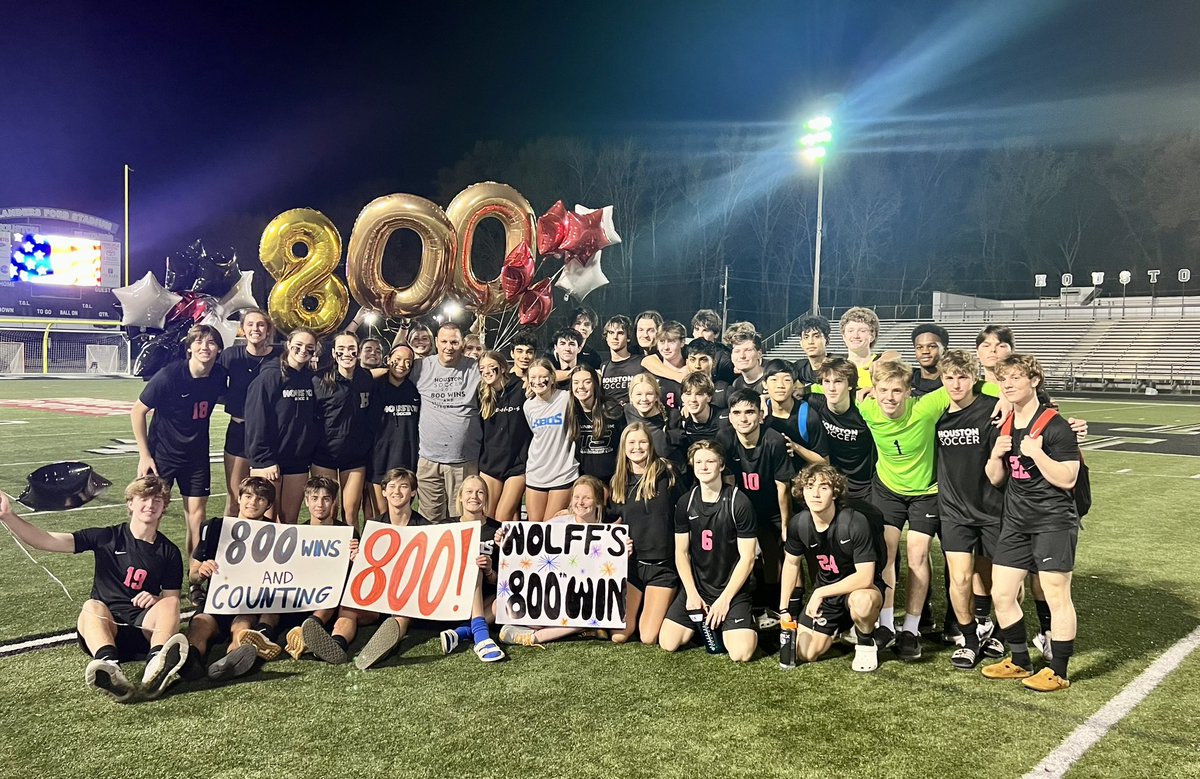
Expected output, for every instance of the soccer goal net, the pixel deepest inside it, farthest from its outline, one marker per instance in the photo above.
(62, 348)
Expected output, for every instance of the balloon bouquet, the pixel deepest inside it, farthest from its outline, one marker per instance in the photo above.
(201, 288)
(512, 300)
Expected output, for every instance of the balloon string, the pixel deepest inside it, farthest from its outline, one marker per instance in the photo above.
(21, 546)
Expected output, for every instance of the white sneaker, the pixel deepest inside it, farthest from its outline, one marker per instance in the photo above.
(1042, 642)
(866, 658)
(107, 677)
(517, 634)
(163, 669)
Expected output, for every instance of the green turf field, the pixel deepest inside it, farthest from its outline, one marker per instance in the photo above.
(587, 709)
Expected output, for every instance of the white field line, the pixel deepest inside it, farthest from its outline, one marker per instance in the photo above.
(1120, 403)
(91, 508)
(50, 642)
(1097, 726)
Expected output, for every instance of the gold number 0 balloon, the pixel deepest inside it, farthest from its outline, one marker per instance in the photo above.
(364, 257)
(470, 207)
(307, 276)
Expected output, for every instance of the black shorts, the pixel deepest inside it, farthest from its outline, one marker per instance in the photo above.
(235, 439)
(131, 640)
(193, 479)
(500, 474)
(652, 573)
(970, 539)
(224, 626)
(1050, 551)
(566, 486)
(293, 468)
(738, 618)
(919, 511)
(833, 617)
(339, 461)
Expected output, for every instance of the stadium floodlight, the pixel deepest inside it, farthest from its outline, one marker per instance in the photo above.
(814, 148)
(452, 309)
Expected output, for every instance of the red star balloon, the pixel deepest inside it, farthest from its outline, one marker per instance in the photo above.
(552, 228)
(191, 307)
(585, 235)
(517, 271)
(536, 304)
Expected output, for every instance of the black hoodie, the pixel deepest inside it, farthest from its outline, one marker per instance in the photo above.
(282, 425)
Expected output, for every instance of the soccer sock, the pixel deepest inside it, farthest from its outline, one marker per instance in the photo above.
(970, 635)
(887, 618)
(1015, 637)
(154, 650)
(983, 608)
(1043, 614)
(912, 624)
(865, 639)
(463, 631)
(108, 652)
(341, 641)
(479, 630)
(1062, 655)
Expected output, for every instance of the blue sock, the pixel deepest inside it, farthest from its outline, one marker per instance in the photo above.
(463, 631)
(479, 630)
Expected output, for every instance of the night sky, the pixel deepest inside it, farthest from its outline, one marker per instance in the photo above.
(225, 108)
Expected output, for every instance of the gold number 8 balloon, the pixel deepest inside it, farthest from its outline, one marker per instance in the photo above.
(308, 276)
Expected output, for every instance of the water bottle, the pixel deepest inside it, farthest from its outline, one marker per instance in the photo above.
(787, 643)
(712, 638)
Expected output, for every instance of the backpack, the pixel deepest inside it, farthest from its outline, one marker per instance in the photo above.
(1082, 491)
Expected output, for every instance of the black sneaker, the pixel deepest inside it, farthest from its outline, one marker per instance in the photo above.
(908, 646)
(318, 641)
(239, 662)
(885, 637)
(193, 668)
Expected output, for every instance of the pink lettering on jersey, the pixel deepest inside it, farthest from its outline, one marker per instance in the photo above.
(1017, 470)
(135, 578)
(826, 563)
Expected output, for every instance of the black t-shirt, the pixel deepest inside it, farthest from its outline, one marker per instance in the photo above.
(723, 365)
(848, 541)
(182, 406)
(1032, 504)
(804, 372)
(506, 433)
(242, 368)
(720, 398)
(670, 393)
(693, 431)
(126, 566)
(851, 446)
(756, 386)
(923, 386)
(651, 523)
(489, 547)
(210, 536)
(344, 407)
(394, 414)
(964, 445)
(282, 425)
(615, 377)
(415, 519)
(757, 469)
(813, 439)
(597, 454)
(665, 433)
(713, 530)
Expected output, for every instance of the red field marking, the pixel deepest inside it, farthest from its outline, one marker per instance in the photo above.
(80, 407)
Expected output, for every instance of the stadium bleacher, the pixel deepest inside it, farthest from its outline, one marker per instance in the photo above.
(1121, 355)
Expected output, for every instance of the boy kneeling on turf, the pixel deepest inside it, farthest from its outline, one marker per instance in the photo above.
(134, 607)
(847, 551)
(255, 497)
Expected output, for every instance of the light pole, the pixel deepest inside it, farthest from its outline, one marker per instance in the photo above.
(814, 148)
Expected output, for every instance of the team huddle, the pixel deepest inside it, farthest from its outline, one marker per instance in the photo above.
(759, 495)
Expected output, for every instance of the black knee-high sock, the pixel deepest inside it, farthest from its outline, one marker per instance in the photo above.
(1043, 615)
(1062, 651)
(970, 635)
(270, 631)
(983, 608)
(1017, 640)
(108, 652)
(341, 641)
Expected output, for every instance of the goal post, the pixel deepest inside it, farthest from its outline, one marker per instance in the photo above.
(62, 347)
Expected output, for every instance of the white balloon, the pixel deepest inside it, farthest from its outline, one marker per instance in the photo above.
(579, 279)
(226, 327)
(240, 297)
(145, 302)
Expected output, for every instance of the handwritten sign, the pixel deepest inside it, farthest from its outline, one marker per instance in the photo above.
(264, 568)
(563, 575)
(424, 572)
